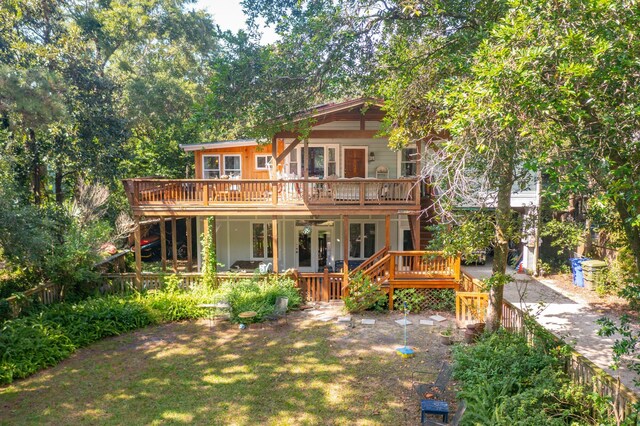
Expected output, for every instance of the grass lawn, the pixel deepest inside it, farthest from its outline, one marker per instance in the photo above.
(304, 372)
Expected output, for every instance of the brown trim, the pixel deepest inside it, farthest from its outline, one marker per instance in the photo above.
(189, 244)
(332, 134)
(287, 150)
(174, 244)
(163, 243)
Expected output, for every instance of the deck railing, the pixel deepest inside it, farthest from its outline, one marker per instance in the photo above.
(297, 192)
(423, 264)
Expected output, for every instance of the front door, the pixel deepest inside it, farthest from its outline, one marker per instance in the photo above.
(355, 162)
(314, 248)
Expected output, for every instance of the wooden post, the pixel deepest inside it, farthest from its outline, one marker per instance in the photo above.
(456, 268)
(345, 255)
(390, 297)
(326, 285)
(174, 244)
(189, 244)
(305, 164)
(205, 193)
(387, 232)
(274, 242)
(274, 172)
(138, 250)
(163, 243)
(414, 221)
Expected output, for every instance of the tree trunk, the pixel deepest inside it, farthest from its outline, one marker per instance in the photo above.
(501, 251)
(632, 232)
(58, 185)
(35, 167)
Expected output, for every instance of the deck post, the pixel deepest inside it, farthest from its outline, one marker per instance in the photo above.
(387, 232)
(391, 297)
(273, 174)
(326, 285)
(414, 223)
(274, 241)
(138, 250)
(163, 243)
(345, 255)
(189, 244)
(305, 164)
(174, 245)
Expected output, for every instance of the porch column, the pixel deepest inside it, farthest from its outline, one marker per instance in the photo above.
(305, 164)
(174, 244)
(414, 223)
(274, 242)
(163, 243)
(189, 244)
(137, 248)
(345, 255)
(387, 232)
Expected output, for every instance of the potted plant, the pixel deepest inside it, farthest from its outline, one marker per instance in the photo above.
(445, 336)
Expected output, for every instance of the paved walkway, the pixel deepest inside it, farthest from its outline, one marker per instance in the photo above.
(566, 315)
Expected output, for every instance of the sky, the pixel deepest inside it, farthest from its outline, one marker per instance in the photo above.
(228, 15)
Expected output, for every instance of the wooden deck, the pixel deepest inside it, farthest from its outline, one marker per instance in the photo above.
(164, 197)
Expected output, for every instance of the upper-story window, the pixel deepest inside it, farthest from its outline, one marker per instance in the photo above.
(323, 161)
(232, 165)
(211, 166)
(262, 161)
(408, 162)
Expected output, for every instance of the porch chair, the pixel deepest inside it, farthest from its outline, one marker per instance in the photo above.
(454, 422)
(280, 310)
(434, 389)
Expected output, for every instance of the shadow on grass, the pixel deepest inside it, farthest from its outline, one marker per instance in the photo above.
(191, 373)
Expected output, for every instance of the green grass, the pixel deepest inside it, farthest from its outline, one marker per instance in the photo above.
(302, 373)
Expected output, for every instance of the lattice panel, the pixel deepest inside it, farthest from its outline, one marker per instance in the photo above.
(435, 299)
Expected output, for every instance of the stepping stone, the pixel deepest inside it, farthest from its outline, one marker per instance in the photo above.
(316, 312)
(325, 318)
(426, 322)
(344, 319)
(403, 322)
(438, 318)
(368, 321)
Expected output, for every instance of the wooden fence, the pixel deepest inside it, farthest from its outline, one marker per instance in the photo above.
(45, 294)
(320, 287)
(471, 307)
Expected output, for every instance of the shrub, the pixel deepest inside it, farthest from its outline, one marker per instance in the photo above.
(42, 339)
(410, 297)
(505, 381)
(258, 294)
(364, 295)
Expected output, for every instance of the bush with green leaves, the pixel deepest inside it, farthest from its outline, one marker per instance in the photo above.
(42, 339)
(410, 298)
(364, 295)
(505, 381)
(257, 294)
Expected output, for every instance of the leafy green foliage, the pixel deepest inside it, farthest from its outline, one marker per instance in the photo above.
(566, 236)
(258, 294)
(409, 298)
(42, 339)
(505, 381)
(626, 349)
(364, 294)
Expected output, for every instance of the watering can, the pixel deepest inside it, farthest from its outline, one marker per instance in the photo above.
(264, 267)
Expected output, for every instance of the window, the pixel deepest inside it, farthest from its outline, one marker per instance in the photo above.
(261, 241)
(362, 240)
(332, 168)
(316, 161)
(323, 161)
(262, 162)
(409, 162)
(293, 162)
(211, 166)
(232, 165)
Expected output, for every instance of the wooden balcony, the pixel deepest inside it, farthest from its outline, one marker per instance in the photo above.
(166, 197)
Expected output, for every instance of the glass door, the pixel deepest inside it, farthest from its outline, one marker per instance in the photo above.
(304, 249)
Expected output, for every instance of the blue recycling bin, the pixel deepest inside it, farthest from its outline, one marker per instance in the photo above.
(576, 270)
